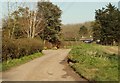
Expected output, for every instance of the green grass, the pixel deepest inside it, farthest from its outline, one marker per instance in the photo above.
(93, 63)
(16, 62)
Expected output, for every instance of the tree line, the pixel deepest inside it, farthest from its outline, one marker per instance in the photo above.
(106, 27)
(24, 30)
(44, 22)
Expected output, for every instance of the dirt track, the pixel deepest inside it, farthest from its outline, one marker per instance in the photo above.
(50, 67)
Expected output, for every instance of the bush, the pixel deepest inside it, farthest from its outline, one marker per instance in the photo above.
(20, 47)
(8, 49)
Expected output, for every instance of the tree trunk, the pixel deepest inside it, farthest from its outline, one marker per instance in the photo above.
(44, 43)
(34, 22)
(12, 34)
(30, 28)
(9, 34)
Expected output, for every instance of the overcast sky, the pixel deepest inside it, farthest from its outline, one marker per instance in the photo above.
(72, 12)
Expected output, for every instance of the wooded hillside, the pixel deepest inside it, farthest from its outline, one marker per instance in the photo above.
(71, 31)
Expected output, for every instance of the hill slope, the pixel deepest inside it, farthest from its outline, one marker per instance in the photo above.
(71, 31)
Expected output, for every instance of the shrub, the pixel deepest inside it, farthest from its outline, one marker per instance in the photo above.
(20, 47)
(8, 49)
(48, 45)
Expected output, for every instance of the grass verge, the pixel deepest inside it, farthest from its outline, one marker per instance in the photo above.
(91, 62)
(16, 62)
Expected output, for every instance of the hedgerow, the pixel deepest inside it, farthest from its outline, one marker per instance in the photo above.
(16, 48)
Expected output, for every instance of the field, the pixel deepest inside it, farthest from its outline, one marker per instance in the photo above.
(94, 63)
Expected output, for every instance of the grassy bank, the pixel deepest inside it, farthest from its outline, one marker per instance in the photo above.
(16, 62)
(90, 61)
